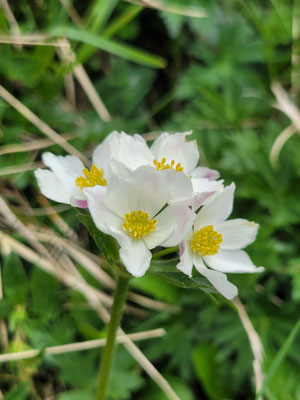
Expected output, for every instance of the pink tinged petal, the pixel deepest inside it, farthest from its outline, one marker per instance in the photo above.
(180, 217)
(176, 147)
(233, 261)
(51, 187)
(78, 203)
(217, 209)
(144, 190)
(133, 152)
(204, 172)
(104, 152)
(237, 233)
(179, 185)
(217, 279)
(66, 168)
(136, 257)
(186, 262)
(101, 214)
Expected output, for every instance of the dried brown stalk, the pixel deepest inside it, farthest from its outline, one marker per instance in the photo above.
(93, 299)
(255, 343)
(80, 346)
(41, 125)
(32, 145)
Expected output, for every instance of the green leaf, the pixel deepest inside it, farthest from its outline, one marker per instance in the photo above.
(119, 49)
(182, 389)
(45, 291)
(167, 270)
(106, 243)
(155, 286)
(279, 358)
(207, 366)
(20, 392)
(15, 280)
(76, 395)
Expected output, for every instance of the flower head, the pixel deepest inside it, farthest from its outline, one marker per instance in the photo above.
(134, 211)
(175, 158)
(67, 177)
(217, 243)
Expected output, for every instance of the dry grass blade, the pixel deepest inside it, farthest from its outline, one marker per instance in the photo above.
(16, 169)
(11, 20)
(86, 260)
(255, 343)
(32, 145)
(195, 12)
(32, 39)
(58, 220)
(280, 141)
(41, 125)
(72, 13)
(286, 105)
(80, 346)
(67, 54)
(93, 299)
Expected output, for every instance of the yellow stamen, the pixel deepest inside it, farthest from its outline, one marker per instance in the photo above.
(162, 165)
(93, 177)
(137, 223)
(206, 241)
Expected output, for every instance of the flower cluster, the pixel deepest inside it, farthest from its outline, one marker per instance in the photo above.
(158, 196)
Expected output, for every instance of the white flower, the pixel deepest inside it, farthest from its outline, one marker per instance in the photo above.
(175, 158)
(131, 209)
(216, 243)
(67, 177)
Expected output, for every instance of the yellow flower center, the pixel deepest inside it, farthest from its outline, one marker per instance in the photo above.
(162, 165)
(93, 177)
(138, 224)
(206, 241)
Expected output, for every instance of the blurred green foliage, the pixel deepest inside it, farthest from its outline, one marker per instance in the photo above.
(159, 71)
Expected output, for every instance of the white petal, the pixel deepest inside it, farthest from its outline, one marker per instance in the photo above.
(136, 257)
(234, 261)
(122, 238)
(204, 172)
(66, 168)
(101, 214)
(176, 147)
(119, 169)
(139, 138)
(133, 152)
(177, 215)
(237, 233)
(217, 279)
(217, 209)
(104, 152)
(51, 187)
(200, 199)
(201, 185)
(144, 190)
(179, 185)
(186, 261)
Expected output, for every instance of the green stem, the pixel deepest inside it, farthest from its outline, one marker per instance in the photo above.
(115, 317)
(164, 252)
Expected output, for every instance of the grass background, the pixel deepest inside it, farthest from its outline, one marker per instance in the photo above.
(229, 71)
